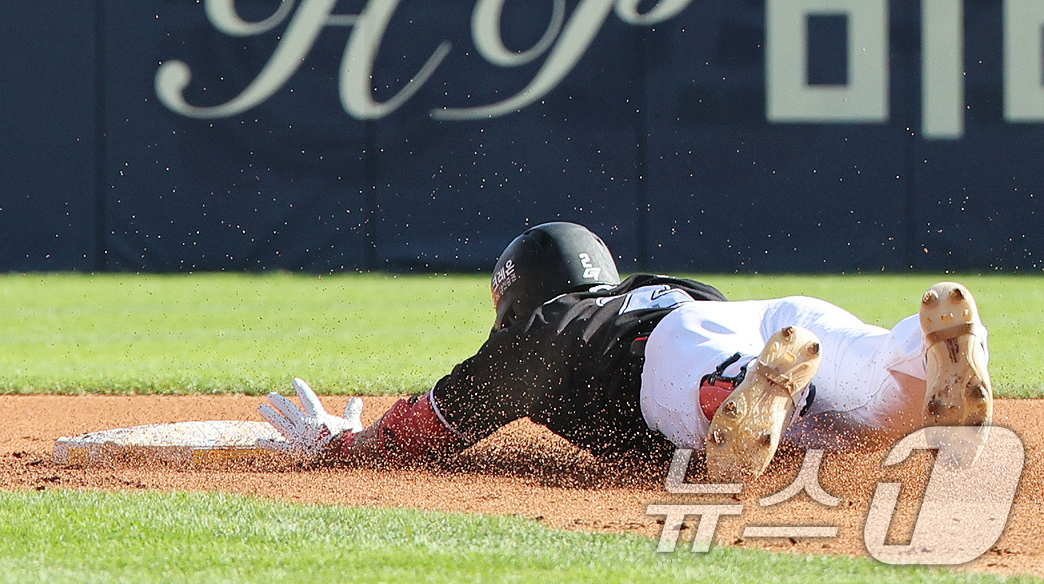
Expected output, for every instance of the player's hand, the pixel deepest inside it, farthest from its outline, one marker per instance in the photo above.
(307, 431)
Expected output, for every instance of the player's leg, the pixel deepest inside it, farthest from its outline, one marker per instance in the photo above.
(545, 261)
(929, 369)
(745, 431)
(959, 392)
(713, 381)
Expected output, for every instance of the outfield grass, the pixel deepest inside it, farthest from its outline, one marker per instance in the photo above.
(216, 333)
(152, 538)
(370, 334)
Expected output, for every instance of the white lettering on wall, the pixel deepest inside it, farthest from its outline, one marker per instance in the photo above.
(791, 99)
(572, 43)
(564, 42)
(223, 15)
(173, 77)
(942, 66)
(1023, 61)
(357, 64)
(485, 29)
(627, 10)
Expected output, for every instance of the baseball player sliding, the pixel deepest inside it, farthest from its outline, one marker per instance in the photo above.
(653, 363)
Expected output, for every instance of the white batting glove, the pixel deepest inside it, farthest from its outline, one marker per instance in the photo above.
(310, 430)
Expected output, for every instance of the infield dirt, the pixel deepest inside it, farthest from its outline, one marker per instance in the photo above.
(522, 470)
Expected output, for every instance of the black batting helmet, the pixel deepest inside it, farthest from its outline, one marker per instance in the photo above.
(545, 261)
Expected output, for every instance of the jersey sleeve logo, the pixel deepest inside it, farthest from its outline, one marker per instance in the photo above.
(658, 297)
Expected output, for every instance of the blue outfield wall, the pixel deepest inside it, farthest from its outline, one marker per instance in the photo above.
(710, 135)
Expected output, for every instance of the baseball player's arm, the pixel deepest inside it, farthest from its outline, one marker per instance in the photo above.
(410, 431)
(308, 430)
(512, 371)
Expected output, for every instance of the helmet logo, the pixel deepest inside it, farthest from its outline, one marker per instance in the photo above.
(590, 271)
(503, 278)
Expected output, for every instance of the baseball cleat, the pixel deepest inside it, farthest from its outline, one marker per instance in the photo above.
(958, 385)
(745, 432)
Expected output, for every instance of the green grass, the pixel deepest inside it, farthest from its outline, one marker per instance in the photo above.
(235, 333)
(147, 538)
(369, 334)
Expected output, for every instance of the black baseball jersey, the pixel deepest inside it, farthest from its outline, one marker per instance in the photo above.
(573, 366)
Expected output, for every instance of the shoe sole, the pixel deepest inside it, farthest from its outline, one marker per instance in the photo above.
(958, 392)
(745, 432)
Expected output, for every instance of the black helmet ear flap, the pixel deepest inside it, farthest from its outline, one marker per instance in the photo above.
(545, 261)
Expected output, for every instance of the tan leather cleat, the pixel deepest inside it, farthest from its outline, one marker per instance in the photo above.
(959, 392)
(745, 432)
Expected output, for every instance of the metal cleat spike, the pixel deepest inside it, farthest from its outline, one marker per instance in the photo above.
(930, 298)
(813, 349)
